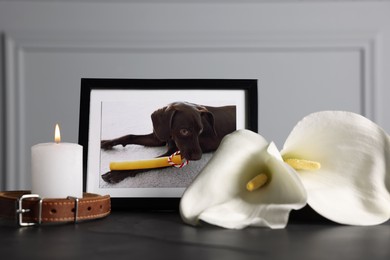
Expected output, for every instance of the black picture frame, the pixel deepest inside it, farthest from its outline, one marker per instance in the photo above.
(92, 87)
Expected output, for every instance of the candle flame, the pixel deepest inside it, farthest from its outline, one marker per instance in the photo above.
(57, 134)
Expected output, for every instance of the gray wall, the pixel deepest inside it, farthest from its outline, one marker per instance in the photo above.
(307, 55)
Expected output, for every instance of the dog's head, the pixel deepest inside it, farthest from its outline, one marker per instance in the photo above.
(182, 123)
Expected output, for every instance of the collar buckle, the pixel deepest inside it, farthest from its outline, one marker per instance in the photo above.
(20, 210)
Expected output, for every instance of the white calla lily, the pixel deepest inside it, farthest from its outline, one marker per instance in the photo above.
(219, 196)
(352, 185)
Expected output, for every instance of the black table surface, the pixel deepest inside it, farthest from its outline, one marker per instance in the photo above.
(163, 235)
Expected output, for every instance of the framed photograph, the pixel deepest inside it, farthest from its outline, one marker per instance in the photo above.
(139, 121)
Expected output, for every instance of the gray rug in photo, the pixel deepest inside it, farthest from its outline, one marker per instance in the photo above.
(169, 177)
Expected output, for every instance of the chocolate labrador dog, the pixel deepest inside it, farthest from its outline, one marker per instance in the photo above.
(189, 128)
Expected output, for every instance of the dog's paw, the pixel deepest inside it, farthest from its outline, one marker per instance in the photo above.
(117, 176)
(107, 144)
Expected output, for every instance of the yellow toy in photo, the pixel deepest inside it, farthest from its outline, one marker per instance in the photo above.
(159, 162)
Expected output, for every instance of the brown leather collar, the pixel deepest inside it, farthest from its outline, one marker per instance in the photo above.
(30, 210)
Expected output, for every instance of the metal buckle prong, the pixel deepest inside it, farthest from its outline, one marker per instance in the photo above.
(76, 207)
(20, 210)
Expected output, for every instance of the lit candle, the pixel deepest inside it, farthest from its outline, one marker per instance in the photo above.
(57, 169)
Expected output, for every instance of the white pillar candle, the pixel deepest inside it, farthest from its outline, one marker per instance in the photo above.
(57, 169)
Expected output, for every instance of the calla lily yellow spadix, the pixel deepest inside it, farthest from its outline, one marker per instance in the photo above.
(218, 195)
(299, 164)
(352, 186)
(257, 182)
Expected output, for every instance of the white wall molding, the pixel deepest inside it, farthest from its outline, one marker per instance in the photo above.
(14, 114)
(19, 44)
(46, 41)
(367, 44)
(200, 1)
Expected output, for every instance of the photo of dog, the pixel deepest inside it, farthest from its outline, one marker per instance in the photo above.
(195, 130)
